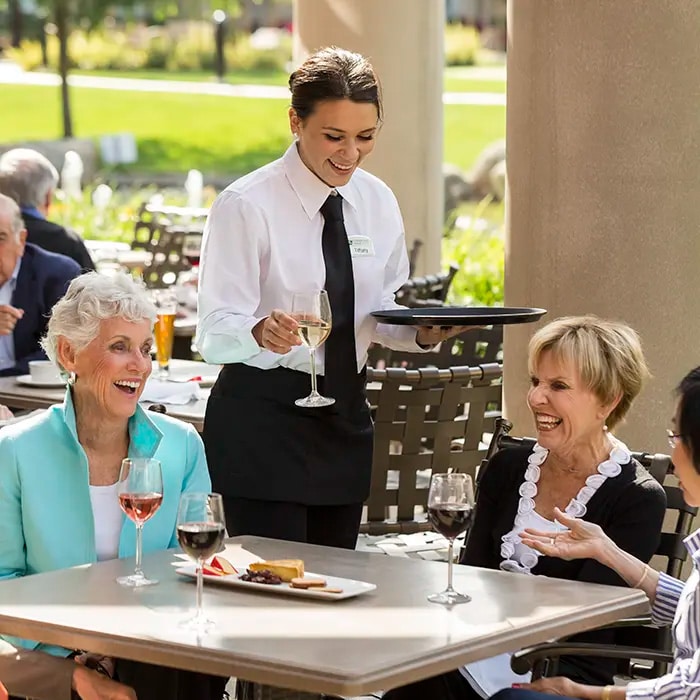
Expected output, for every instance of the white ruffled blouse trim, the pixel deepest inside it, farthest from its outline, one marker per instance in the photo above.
(611, 467)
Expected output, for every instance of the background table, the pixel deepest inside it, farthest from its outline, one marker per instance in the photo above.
(379, 640)
(21, 396)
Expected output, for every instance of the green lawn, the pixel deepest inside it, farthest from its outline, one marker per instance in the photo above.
(233, 78)
(218, 135)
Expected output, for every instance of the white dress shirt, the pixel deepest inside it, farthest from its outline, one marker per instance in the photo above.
(262, 242)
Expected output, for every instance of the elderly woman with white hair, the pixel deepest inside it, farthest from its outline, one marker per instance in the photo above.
(59, 471)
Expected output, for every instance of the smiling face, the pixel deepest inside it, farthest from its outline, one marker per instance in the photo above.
(335, 138)
(569, 417)
(111, 371)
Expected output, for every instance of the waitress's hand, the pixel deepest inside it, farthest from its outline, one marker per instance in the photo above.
(277, 333)
(432, 335)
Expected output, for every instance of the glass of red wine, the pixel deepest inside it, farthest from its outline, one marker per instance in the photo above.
(140, 495)
(200, 532)
(450, 509)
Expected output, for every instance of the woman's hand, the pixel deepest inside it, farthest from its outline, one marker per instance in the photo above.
(582, 540)
(432, 335)
(559, 686)
(277, 333)
(90, 685)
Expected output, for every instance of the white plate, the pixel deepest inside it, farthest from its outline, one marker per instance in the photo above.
(350, 588)
(28, 380)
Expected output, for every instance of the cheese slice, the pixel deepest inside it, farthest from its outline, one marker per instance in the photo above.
(286, 569)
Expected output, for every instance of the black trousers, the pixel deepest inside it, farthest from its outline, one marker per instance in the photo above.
(447, 686)
(332, 526)
(153, 682)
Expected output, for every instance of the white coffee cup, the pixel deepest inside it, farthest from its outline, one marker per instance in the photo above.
(44, 372)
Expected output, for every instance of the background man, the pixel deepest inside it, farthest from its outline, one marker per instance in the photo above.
(30, 179)
(32, 280)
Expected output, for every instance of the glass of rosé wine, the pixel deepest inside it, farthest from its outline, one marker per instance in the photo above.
(140, 495)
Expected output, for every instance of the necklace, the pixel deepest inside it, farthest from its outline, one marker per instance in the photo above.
(608, 468)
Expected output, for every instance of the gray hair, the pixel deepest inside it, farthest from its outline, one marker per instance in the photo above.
(11, 208)
(27, 176)
(91, 299)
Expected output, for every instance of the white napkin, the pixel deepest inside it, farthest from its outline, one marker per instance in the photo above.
(176, 393)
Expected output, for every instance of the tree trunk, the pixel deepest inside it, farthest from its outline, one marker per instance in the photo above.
(62, 30)
(16, 21)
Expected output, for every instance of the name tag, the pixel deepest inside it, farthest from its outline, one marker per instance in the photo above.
(361, 246)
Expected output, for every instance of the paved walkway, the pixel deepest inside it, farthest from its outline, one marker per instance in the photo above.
(11, 74)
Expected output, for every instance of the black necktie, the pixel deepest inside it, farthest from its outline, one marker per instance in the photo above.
(340, 354)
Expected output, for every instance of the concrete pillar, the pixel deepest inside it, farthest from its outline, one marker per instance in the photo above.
(404, 41)
(603, 153)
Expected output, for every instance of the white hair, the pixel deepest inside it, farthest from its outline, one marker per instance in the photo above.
(91, 299)
(10, 207)
(27, 176)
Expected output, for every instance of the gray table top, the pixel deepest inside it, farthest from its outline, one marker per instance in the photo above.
(378, 640)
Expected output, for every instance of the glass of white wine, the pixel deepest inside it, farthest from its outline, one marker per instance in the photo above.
(312, 311)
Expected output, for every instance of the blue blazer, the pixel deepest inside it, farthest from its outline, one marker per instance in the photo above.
(43, 279)
(46, 518)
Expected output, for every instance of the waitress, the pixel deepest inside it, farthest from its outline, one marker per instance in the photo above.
(310, 220)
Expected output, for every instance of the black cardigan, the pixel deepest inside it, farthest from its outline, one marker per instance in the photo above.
(629, 507)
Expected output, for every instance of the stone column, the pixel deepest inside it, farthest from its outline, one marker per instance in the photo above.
(603, 153)
(404, 41)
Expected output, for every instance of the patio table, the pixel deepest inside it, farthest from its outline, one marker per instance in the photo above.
(382, 639)
(30, 397)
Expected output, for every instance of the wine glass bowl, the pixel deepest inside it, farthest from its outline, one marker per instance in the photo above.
(312, 312)
(450, 512)
(140, 492)
(200, 533)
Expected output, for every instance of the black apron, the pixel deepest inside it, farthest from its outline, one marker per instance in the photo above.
(260, 445)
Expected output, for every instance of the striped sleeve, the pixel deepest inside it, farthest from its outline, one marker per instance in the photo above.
(683, 681)
(668, 593)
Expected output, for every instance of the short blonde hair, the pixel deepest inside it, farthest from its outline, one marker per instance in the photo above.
(607, 354)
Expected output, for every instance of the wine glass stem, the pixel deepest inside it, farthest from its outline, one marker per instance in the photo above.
(139, 549)
(449, 565)
(200, 586)
(312, 355)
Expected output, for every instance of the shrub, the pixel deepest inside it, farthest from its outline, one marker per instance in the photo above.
(116, 221)
(188, 47)
(242, 56)
(480, 256)
(461, 45)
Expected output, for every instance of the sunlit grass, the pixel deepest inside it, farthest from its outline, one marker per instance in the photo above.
(218, 135)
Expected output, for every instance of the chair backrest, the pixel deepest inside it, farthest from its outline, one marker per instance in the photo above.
(475, 347)
(428, 291)
(425, 420)
(164, 231)
(679, 513)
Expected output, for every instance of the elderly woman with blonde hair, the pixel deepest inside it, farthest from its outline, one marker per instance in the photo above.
(59, 471)
(585, 373)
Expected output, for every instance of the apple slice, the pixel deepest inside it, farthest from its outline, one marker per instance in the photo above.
(224, 566)
(211, 571)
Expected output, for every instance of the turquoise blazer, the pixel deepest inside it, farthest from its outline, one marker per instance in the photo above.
(46, 519)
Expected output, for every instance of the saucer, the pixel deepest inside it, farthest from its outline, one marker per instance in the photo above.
(28, 380)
